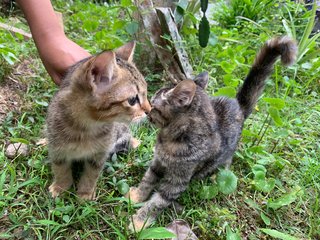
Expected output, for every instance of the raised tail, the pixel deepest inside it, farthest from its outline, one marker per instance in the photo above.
(262, 67)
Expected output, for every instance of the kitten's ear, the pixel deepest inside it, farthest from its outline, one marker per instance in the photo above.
(202, 80)
(126, 51)
(102, 69)
(182, 95)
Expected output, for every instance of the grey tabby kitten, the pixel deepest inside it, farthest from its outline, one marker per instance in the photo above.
(88, 117)
(198, 133)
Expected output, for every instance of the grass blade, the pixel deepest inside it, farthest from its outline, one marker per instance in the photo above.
(277, 234)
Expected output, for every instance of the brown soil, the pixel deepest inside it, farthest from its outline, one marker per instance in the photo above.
(11, 89)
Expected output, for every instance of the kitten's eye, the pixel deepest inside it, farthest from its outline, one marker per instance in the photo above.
(132, 101)
(118, 60)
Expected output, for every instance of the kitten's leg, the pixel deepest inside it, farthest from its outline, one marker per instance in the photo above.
(148, 213)
(124, 139)
(62, 177)
(88, 180)
(170, 189)
(147, 184)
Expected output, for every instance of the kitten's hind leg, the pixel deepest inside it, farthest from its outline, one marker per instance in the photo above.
(171, 186)
(148, 213)
(124, 140)
(88, 180)
(62, 177)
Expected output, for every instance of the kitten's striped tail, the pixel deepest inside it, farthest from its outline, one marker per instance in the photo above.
(262, 67)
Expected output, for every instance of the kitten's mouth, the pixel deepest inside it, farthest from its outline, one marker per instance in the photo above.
(154, 119)
(139, 119)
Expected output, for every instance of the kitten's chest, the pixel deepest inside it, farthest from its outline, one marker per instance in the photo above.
(80, 145)
(88, 147)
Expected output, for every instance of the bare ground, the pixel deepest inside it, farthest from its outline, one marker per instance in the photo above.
(12, 88)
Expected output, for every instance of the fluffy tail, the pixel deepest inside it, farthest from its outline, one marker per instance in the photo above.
(261, 69)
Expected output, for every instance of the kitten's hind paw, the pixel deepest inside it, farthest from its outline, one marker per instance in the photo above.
(134, 143)
(138, 224)
(135, 195)
(55, 190)
(87, 195)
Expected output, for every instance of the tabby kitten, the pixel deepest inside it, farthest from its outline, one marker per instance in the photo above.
(88, 117)
(198, 133)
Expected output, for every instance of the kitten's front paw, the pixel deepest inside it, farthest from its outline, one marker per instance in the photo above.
(135, 195)
(134, 143)
(87, 195)
(55, 190)
(137, 223)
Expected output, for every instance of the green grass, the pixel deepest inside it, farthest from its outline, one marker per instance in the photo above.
(284, 154)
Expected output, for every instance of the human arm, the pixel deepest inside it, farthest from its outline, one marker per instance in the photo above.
(56, 51)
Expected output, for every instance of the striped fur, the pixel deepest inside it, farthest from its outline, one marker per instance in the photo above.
(88, 118)
(199, 134)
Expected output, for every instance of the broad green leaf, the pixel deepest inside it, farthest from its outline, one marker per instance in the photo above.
(265, 185)
(230, 81)
(227, 181)
(231, 235)
(179, 11)
(258, 168)
(182, 4)
(256, 149)
(277, 103)
(155, 233)
(284, 200)
(132, 28)
(227, 66)
(19, 140)
(204, 5)
(66, 218)
(209, 192)
(42, 103)
(226, 91)
(265, 219)
(2, 181)
(274, 113)
(125, 3)
(118, 24)
(277, 234)
(123, 187)
(204, 32)
(259, 176)
(9, 57)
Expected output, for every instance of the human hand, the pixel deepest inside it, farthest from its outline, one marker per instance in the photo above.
(58, 54)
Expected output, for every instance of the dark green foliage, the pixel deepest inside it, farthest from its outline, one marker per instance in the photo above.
(204, 31)
(227, 13)
(204, 27)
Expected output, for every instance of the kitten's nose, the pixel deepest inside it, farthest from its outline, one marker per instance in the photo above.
(146, 107)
